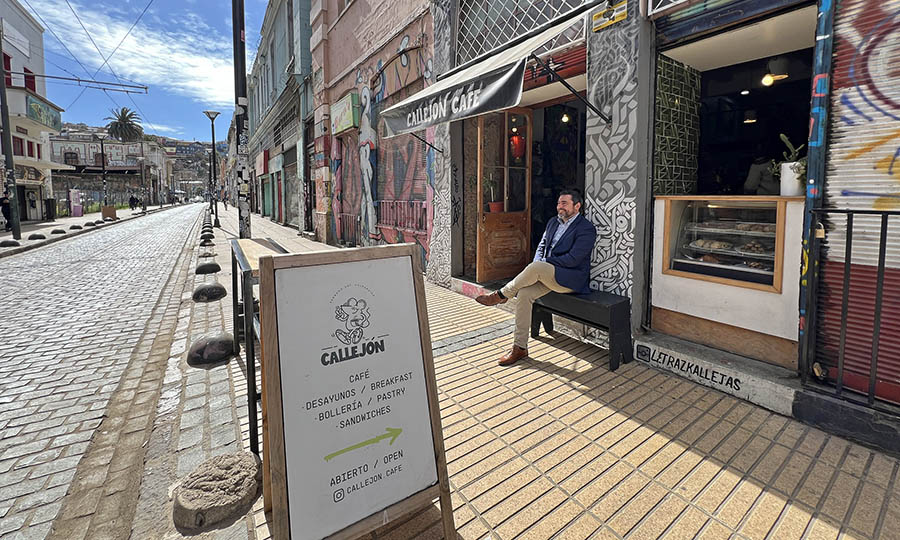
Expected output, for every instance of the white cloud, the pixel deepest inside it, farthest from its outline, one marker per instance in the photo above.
(158, 128)
(185, 55)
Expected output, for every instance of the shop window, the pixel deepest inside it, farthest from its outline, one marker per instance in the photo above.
(7, 62)
(30, 149)
(70, 158)
(29, 80)
(18, 146)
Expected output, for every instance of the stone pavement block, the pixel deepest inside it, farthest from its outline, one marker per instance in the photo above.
(41, 498)
(12, 523)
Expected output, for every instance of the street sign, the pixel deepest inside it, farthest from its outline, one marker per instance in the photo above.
(354, 432)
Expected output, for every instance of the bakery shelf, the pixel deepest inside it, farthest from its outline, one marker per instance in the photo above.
(732, 231)
(731, 253)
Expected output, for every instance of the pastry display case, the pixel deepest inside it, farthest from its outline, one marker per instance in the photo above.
(733, 241)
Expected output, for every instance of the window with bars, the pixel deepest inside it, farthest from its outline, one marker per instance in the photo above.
(487, 24)
(70, 158)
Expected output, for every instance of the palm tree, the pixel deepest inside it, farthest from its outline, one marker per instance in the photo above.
(124, 125)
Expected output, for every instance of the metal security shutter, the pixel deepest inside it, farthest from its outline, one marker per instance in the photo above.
(863, 173)
(714, 15)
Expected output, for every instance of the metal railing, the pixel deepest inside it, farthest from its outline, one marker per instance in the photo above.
(403, 214)
(836, 372)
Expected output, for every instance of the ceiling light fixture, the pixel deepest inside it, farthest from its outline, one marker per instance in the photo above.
(565, 118)
(750, 116)
(745, 92)
(515, 129)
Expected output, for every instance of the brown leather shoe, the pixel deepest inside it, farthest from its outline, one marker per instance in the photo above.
(513, 356)
(490, 299)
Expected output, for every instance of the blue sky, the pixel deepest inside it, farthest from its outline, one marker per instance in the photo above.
(180, 49)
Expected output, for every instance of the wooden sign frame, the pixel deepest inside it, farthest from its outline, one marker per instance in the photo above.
(272, 389)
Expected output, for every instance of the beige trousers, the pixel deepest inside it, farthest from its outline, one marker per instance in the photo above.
(536, 280)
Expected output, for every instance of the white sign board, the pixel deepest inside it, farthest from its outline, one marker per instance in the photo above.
(357, 425)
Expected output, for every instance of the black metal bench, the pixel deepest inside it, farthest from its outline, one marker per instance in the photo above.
(601, 310)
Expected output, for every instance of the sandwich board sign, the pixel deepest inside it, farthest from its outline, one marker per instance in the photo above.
(354, 423)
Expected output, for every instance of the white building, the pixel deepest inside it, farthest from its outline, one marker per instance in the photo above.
(33, 118)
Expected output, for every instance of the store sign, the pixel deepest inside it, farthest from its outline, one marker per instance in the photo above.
(725, 382)
(610, 16)
(43, 113)
(262, 162)
(492, 91)
(354, 421)
(345, 113)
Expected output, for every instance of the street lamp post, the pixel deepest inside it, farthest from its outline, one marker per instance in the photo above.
(212, 121)
(143, 186)
(102, 137)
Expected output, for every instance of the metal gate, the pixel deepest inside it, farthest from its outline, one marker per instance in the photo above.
(857, 321)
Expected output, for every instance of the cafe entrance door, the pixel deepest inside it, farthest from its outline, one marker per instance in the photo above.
(504, 194)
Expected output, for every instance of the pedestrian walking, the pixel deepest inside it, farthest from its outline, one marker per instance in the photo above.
(6, 210)
(562, 263)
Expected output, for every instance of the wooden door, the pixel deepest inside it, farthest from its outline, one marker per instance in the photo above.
(504, 194)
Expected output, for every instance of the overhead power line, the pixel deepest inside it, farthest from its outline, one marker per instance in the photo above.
(79, 80)
(106, 58)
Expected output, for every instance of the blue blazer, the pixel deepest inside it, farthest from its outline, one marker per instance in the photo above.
(572, 253)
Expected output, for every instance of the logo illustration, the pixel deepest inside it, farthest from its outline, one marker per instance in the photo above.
(643, 353)
(355, 316)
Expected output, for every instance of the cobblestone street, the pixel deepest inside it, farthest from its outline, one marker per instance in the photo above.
(73, 314)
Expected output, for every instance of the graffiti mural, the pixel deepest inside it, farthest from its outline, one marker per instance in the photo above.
(865, 105)
(611, 182)
(374, 178)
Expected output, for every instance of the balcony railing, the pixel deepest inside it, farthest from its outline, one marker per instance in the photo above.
(411, 215)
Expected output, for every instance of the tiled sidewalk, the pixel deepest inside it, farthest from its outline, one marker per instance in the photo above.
(559, 447)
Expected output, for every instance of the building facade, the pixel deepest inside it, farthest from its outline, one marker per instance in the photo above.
(33, 117)
(368, 189)
(78, 148)
(278, 105)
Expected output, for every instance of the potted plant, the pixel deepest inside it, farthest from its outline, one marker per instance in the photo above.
(792, 170)
(490, 183)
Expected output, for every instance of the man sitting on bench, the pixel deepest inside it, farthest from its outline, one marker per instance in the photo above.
(562, 263)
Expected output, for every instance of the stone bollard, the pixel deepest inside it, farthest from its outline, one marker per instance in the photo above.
(89, 224)
(9, 243)
(108, 219)
(206, 243)
(58, 231)
(207, 236)
(36, 236)
(207, 268)
(209, 292)
(75, 227)
(211, 349)
(220, 488)
(98, 222)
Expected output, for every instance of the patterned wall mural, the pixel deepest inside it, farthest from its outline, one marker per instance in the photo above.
(676, 128)
(611, 181)
(438, 268)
